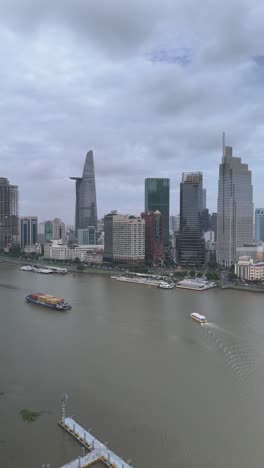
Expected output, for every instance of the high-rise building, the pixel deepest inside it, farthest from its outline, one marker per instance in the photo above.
(204, 199)
(87, 236)
(28, 230)
(190, 245)
(48, 231)
(157, 197)
(8, 213)
(86, 207)
(174, 224)
(234, 207)
(154, 236)
(213, 225)
(58, 230)
(124, 238)
(54, 230)
(259, 224)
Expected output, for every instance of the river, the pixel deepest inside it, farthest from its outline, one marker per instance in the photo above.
(161, 389)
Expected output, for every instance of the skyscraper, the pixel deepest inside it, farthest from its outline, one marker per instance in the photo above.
(190, 244)
(259, 224)
(86, 207)
(213, 225)
(28, 229)
(124, 238)
(157, 197)
(8, 213)
(204, 199)
(234, 207)
(154, 236)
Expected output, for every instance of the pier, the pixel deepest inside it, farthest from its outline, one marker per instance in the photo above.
(97, 450)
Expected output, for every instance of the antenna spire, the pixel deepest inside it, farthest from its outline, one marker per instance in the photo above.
(223, 144)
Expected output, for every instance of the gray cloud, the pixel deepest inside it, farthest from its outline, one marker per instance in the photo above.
(148, 85)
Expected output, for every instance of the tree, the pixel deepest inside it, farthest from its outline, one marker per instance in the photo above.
(212, 276)
(192, 273)
(77, 260)
(199, 274)
(81, 267)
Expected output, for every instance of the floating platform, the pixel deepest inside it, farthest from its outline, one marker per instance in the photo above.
(98, 451)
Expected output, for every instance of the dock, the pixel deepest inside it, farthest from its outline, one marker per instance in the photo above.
(97, 450)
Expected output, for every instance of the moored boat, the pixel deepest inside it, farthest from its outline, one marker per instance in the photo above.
(165, 285)
(46, 300)
(26, 268)
(199, 318)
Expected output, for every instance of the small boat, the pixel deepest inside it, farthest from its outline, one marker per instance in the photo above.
(199, 318)
(46, 300)
(164, 285)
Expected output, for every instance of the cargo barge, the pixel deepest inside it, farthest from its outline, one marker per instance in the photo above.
(46, 300)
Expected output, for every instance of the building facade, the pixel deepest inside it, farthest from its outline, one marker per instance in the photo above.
(48, 231)
(234, 207)
(259, 224)
(87, 236)
(85, 253)
(246, 269)
(154, 236)
(86, 206)
(157, 198)
(124, 238)
(190, 245)
(28, 230)
(213, 224)
(9, 234)
(58, 230)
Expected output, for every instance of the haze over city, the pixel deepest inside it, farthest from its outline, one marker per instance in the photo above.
(148, 86)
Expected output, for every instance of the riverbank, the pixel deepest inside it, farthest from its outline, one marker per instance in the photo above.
(70, 268)
(255, 289)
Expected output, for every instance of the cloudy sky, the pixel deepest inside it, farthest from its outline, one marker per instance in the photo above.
(149, 85)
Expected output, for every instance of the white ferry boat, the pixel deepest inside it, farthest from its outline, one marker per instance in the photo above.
(196, 284)
(58, 270)
(165, 285)
(42, 270)
(199, 318)
(139, 278)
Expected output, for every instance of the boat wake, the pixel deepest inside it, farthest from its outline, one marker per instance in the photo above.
(240, 357)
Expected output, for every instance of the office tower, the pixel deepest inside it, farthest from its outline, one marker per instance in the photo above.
(28, 230)
(157, 197)
(8, 213)
(189, 243)
(213, 225)
(259, 224)
(48, 231)
(124, 238)
(85, 207)
(205, 219)
(58, 230)
(154, 236)
(234, 207)
(174, 224)
(204, 199)
(87, 236)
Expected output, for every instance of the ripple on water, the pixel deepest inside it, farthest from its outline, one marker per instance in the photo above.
(239, 356)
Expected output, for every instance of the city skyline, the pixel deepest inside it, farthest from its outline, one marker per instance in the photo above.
(62, 75)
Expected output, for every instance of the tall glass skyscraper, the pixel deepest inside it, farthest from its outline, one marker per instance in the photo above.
(8, 213)
(28, 227)
(86, 207)
(259, 224)
(234, 207)
(190, 246)
(157, 198)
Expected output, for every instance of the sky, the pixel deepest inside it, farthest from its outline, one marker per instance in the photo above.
(148, 85)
